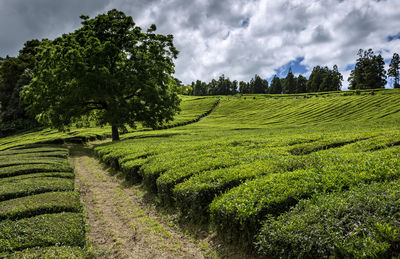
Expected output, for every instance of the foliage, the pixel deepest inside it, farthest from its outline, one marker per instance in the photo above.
(262, 154)
(64, 252)
(14, 74)
(276, 87)
(108, 70)
(20, 169)
(38, 205)
(25, 187)
(357, 223)
(323, 79)
(49, 202)
(394, 69)
(369, 71)
(289, 85)
(44, 230)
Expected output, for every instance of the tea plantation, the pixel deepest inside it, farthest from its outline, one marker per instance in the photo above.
(40, 211)
(285, 176)
(313, 175)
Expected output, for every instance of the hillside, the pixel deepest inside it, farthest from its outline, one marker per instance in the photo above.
(254, 159)
(313, 175)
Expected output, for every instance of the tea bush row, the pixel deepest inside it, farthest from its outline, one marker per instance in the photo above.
(49, 202)
(360, 223)
(237, 213)
(65, 229)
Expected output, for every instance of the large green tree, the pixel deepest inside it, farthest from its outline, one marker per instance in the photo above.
(108, 70)
(394, 69)
(369, 71)
(15, 72)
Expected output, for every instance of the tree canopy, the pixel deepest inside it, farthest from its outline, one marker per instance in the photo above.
(15, 72)
(109, 71)
(369, 71)
(394, 70)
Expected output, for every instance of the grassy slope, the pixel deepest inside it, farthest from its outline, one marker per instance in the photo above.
(288, 143)
(261, 155)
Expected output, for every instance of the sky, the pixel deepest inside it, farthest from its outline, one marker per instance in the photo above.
(237, 38)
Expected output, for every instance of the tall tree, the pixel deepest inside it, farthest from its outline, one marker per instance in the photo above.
(337, 78)
(276, 86)
(244, 87)
(394, 69)
(369, 71)
(107, 69)
(301, 84)
(316, 78)
(259, 85)
(289, 87)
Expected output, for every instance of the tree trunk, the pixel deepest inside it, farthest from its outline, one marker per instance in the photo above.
(115, 133)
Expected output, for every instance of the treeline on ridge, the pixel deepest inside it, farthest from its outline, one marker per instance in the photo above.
(368, 73)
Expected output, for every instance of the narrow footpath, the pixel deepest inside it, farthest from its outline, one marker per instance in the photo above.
(119, 224)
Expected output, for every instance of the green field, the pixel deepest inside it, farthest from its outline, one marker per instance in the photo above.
(313, 175)
(256, 158)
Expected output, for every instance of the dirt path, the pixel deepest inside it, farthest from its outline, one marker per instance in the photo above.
(120, 225)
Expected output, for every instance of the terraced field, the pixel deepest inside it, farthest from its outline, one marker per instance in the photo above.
(40, 213)
(40, 210)
(264, 163)
(313, 175)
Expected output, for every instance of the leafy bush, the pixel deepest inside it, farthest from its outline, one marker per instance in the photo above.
(32, 186)
(33, 168)
(360, 223)
(49, 202)
(43, 230)
(194, 195)
(6, 180)
(64, 252)
(238, 212)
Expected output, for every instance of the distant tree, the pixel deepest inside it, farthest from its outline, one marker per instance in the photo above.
(315, 80)
(109, 70)
(337, 78)
(323, 79)
(234, 87)
(301, 84)
(244, 87)
(259, 85)
(199, 88)
(289, 87)
(394, 69)
(369, 71)
(276, 86)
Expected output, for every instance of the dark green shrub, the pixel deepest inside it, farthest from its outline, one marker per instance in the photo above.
(49, 202)
(43, 230)
(360, 223)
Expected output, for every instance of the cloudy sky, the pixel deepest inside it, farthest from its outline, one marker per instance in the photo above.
(238, 38)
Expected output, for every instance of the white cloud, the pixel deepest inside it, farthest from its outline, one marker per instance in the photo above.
(241, 38)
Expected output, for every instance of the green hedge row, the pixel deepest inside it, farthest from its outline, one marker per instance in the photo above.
(168, 126)
(44, 230)
(5, 180)
(43, 203)
(19, 160)
(64, 252)
(32, 186)
(237, 213)
(194, 195)
(360, 223)
(33, 168)
(36, 151)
